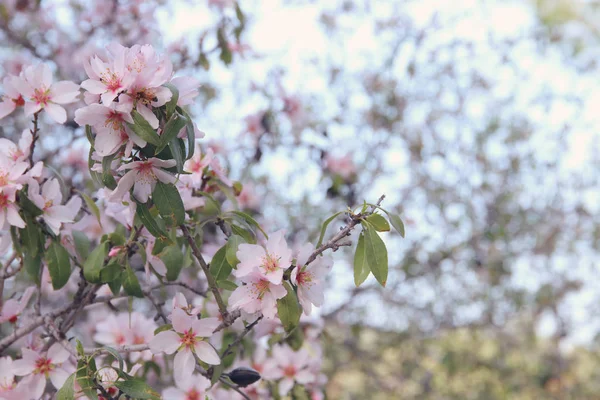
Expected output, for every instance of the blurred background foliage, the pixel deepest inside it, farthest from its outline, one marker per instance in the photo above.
(477, 119)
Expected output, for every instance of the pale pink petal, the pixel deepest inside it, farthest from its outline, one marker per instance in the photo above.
(31, 108)
(13, 217)
(148, 115)
(93, 114)
(6, 107)
(163, 176)
(182, 322)
(58, 376)
(285, 386)
(142, 189)
(56, 112)
(174, 394)
(35, 385)
(125, 183)
(166, 341)
(58, 354)
(93, 86)
(207, 353)
(184, 364)
(64, 92)
(205, 327)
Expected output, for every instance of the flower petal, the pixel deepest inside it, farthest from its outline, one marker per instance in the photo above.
(207, 353)
(167, 341)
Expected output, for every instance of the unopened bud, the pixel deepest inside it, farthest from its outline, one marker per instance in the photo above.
(244, 376)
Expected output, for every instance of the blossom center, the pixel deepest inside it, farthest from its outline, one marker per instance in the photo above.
(138, 340)
(304, 278)
(43, 365)
(193, 394)
(19, 101)
(114, 120)
(289, 371)
(260, 289)
(188, 339)
(111, 80)
(270, 263)
(41, 96)
(146, 174)
(48, 204)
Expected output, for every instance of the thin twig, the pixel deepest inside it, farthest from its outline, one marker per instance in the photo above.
(130, 348)
(223, 380)
(237, 341)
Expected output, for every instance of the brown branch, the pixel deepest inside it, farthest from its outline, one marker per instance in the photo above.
(248, 328)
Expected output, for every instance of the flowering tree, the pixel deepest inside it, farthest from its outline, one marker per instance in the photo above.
(114, 294)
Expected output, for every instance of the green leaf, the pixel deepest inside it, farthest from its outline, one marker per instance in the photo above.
(232, 246)
(67, 391)
(249, 220)
(111, 272)
(27, 205)
(162, 328)
(82, 244)
(397, 223)
(59, 265)
(172, 104)
(31, 237)
(299, 393)
(172, 256)
(137, 389)
(247, 235)
(378, 222)
(324, 228)
(94, 263)
(15, 240)
(167, 199)
(143, 129)
(361, 266)
(177, 150)
(289, 309)
(90, 134)
(227, 285)
(149, 222)
(295, 339)
(113, 352)
(32, 265)
(130, 282)
(170, 131)
(191, 135)
(91, 205)
(217, 371)
(107, 177)
(376, 254)
(84, 376)
(219, 267)
(115, 284)
(225, 55)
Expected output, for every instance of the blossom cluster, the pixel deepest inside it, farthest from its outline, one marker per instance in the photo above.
(261, 269)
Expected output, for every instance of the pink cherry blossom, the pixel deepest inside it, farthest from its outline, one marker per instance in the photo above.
(9, 212)
(109, 125)
(142, 177)
(154, 260)
(290, 366)
(269, 261)
(187, 339)
(49, 201)
(188, 89)
(11, 171)
(12, 97)
(126, 329)
(18, 153)
(180, 302)
(310, 279)
(257, 294)
(40, 93)
(9, 389)
(108, 79)
(13, 308)
(194, 388)
(37, 367)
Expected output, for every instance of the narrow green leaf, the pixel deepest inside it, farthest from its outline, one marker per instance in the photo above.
(59, 264)
(376, 254)
(225, 54)
(67, 391)
(137, 389)
(143, 129)
(170, 131)
(32, 265)
(15, 240)
(84, 376)
(113, 352)
(361, 266)
(178, 151)
(107, 177)
(378, 222)
(251, 221)
(324, 228)
(32, 237)
(227, 285)
(27, 205)
(217, 371)
(172, 104)
(219, 267)
(91, 205)
(172, 256)
(397, 223)
(82, 244)
(232, 246)
(131, 284)
(288, 309)
(111, 272)
(247, 235)
(90, 134)
(162, 328)
(94, 263)
(149, 222)
(167, 199)
(115, 284)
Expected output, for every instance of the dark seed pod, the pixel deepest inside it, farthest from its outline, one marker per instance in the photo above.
(243, 376)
